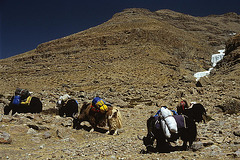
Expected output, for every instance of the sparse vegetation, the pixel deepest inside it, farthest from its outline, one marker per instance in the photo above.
(231, 106)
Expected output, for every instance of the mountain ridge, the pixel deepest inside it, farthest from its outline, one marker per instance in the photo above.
(152, 42)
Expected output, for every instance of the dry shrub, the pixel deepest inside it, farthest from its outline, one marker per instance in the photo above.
(231, 106)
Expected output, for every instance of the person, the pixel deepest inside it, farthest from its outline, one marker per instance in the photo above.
(182, 106)
(99, 105)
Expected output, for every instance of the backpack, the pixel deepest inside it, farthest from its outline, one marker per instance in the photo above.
(99, 104)
(16, 100)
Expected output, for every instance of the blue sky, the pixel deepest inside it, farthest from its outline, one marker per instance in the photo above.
(24, 24)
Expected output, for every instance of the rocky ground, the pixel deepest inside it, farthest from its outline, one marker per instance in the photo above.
(47, 136)
(138, 61)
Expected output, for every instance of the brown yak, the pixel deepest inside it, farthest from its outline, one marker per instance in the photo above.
(112, 118)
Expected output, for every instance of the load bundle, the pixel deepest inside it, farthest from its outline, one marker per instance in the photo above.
(168, 122)
(21, 96)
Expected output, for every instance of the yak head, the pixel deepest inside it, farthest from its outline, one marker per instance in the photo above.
(112, 113)
(148, 142)
(114, 117)
(76, 121)
(149, 139)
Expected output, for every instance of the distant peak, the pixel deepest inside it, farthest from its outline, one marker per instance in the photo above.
(135, 11)
(231, 14)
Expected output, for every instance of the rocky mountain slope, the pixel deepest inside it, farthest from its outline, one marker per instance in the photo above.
(137, 60)
(134, 46)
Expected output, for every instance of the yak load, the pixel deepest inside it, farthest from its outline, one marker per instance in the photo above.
(168, 126)
(23, 102)
(67, 106)
(99, 114)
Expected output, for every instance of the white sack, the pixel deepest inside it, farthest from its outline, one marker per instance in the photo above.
(165, 129)
(170, 121)
(64, 97)
(165, 112)
(172, 124)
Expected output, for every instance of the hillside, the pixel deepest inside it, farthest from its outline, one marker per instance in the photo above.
(134, 46)
(137, 60)
(226, 73)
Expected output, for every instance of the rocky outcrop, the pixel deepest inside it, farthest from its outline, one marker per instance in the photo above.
(232, 44)
(232, 56)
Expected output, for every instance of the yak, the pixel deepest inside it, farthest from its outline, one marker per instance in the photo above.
(187, 134)
(34, 106)
(67, 108)
(112, 118)
(196, 111)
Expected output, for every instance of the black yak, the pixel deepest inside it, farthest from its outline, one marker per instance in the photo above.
(196, 111)
(112, 118)
(187, 134)
(67, 106)
(31, 105)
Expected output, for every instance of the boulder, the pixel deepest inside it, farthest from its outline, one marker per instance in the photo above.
(47, 135)
(5, 138)
(203, 81)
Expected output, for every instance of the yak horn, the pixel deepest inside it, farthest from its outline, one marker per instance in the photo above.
(204, 117)
(139, 137)
(75, 116)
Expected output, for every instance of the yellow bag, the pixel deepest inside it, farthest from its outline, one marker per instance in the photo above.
(27, 101)
(102, 106)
